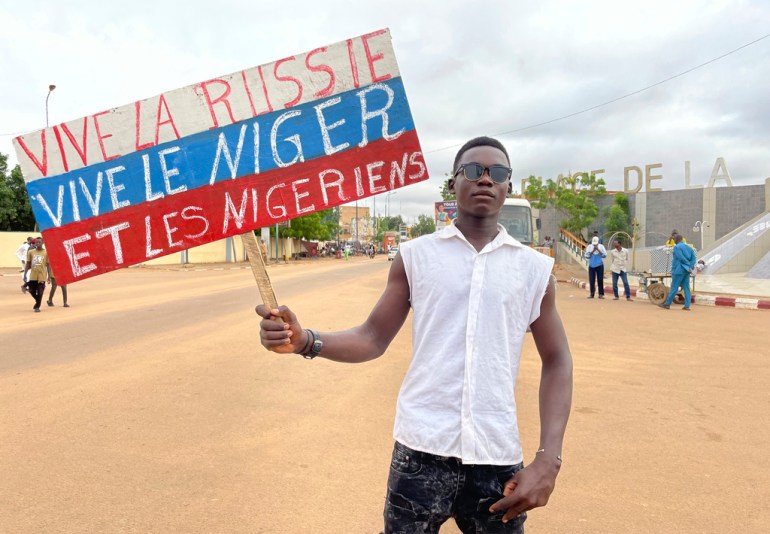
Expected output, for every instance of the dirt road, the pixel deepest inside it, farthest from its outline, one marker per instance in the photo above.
(148, 406)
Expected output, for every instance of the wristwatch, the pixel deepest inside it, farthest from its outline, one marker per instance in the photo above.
(315, 347)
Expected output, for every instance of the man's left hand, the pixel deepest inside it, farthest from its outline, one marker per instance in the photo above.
(529, 488)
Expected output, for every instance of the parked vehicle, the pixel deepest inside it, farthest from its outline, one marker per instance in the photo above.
(517, 218)
(392, 253)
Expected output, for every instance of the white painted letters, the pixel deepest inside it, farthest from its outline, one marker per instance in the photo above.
(173, 171)
(329, 149)
(116, 188)
(293, 139)
(297, 196)
(75, 257)
(366, 115)
(113, 231)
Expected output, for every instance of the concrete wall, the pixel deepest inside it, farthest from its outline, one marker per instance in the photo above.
(747, 258)
(9, 243)
(737, 205)
(740, 250)
(722, 209)
(672, 210)
(549, 224)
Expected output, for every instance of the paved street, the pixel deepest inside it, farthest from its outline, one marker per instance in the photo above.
(149, 406)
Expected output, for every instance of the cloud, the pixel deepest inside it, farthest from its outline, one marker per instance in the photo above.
(481, 68)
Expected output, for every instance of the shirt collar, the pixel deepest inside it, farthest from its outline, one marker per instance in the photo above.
(502, 237)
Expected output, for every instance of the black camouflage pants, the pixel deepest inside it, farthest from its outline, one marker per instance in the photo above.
(425, 490)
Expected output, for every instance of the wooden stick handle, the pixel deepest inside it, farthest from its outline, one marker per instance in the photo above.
(257, 262)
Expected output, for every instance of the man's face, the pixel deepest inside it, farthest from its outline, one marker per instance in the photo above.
(38, 243)
(617, 245)
(483, 197)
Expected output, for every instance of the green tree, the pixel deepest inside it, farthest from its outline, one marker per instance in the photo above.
(425, 225)
(445, 194)
(7, 206)
(618, 216)
(573, 196)
(331, 219)
(15, 208)
(312, 227)
(388, 224)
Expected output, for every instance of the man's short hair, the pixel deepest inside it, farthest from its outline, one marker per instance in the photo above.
(480, 141)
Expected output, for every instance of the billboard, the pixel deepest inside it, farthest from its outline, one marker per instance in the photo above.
(446, 212)
(221, 157)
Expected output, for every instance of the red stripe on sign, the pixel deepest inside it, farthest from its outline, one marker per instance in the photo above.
(177, 222)
(763, 305)
(724, 301)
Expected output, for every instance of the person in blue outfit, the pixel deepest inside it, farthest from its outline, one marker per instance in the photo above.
(682, 264)
(595, 252)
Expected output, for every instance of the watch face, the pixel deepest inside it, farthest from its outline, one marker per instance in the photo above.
(317, 346)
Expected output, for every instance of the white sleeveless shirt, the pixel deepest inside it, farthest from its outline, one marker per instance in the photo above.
(471, 313)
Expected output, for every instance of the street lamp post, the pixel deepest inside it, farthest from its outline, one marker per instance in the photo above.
(387, 197)
(699, 226)
(50, 90)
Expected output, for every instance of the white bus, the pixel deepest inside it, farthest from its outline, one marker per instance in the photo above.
(516, 216)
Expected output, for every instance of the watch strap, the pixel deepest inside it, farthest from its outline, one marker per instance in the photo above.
(315, 346)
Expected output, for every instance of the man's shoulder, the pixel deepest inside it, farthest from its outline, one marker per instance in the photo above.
(540, 260)
(421, 241)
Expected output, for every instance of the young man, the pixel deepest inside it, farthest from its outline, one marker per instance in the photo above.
(619, 260)
(457, 452)
(682, 265)
(21, 253)
(595, 253)
(39, 272)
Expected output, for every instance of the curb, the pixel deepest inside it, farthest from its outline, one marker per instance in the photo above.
(701, 300)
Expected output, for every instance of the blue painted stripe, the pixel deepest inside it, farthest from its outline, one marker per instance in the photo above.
(189, 161)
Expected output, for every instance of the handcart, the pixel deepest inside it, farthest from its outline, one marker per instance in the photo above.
(657, 281)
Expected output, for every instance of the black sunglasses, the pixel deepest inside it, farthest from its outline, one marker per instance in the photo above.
(474, 171)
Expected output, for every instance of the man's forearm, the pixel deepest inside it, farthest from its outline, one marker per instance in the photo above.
(555, 402)
(350, 346)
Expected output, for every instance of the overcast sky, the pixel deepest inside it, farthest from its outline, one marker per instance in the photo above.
(470, 68)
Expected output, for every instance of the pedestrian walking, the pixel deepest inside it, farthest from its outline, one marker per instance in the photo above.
(21, 254)
(39, 272)
(682, 265)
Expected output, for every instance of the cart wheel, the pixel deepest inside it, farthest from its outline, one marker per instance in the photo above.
(657, 293)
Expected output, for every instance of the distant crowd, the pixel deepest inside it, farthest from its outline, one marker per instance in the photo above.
(36, 273)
